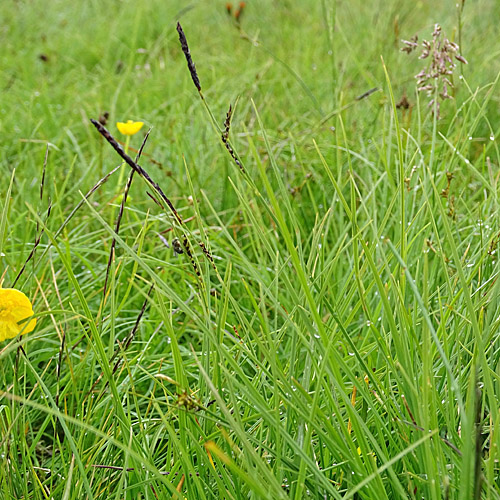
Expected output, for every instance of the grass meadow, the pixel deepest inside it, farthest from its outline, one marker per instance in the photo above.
(302, 298)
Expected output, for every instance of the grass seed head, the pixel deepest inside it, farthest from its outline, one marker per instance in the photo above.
(187, 54)
(436, 79)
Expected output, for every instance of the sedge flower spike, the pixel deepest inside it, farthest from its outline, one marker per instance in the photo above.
(130, 127)
(14, 308)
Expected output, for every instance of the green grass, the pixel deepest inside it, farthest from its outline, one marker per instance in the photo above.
(344, 341)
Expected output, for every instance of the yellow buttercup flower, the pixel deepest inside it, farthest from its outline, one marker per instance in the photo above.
(129, 128)
(14, 308)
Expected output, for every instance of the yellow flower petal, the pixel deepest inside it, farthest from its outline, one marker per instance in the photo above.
(14, 308)
(129, 128)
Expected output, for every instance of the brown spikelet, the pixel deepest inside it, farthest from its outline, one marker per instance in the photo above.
(208, 255)
(187, 249)
(190, 63)
(227, 122)
(225, 140)
(232, 153)
(239, 12)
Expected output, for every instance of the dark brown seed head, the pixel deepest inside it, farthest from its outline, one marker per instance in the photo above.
(403, 103)
(190, 63)
(176, 244)
(227, 123)
(239, 12)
